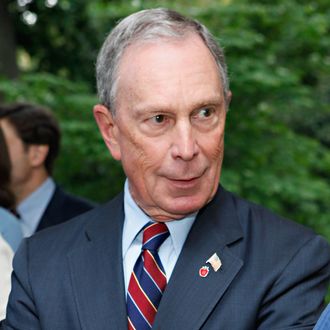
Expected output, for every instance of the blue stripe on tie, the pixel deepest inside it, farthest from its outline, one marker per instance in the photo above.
(149, 277)
(138, 268)
(151, 290)
(153, 242)
(135, 314)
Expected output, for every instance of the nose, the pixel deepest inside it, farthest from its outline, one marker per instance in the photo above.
(184, 143)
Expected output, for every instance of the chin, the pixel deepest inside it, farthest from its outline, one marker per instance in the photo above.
(185, 206)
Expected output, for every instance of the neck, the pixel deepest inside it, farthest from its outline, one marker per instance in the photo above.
(27, 188)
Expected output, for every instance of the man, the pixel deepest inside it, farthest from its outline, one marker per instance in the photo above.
(209, 260)
(33, 138)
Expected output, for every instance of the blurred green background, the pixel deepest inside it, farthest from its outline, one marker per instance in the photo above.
(278, 129)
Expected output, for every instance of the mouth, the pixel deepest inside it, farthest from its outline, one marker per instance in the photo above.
(187, 182)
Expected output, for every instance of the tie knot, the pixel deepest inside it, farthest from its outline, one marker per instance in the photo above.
(154, 234)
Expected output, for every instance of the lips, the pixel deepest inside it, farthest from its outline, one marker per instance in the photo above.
(186, 179)
(185, 182)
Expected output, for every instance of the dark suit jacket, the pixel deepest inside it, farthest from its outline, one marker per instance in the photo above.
(274, 273)
(63, 207)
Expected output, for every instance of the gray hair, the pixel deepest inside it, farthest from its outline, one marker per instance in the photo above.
(149, 25)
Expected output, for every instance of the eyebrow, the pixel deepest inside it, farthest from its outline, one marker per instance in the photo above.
(211, 101)
(215, 101)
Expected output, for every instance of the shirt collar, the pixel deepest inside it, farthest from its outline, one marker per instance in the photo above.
(33, 206)
(135, 219)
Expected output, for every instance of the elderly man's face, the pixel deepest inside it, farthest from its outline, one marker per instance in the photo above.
(168, 130)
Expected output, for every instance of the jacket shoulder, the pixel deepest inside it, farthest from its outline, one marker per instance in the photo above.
(65, 235)
(252, 214)
(71, 202)
(62, 207)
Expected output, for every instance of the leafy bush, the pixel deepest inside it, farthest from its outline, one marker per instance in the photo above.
(277, 135)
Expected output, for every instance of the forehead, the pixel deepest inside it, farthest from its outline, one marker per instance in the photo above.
(167, 70)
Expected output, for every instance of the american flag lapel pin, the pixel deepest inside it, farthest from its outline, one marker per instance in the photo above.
(215, 262)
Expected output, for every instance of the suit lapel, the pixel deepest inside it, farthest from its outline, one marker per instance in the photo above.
(97, 273)
(189, 298)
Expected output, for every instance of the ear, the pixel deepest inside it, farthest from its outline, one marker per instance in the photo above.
(108, 128)
(228, 98)
(37, 154)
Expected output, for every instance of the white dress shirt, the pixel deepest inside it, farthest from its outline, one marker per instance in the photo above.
(168, 252)
(32, 207)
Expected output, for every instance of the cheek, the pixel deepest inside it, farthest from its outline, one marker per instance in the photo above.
(217, 152)
(17, 151)
(18, 171)
(214, 148)
(11, 153)
(140, 156)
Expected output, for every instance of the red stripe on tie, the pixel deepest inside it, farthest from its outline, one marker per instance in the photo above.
(141, 300)
(153, 230)
(153, 269)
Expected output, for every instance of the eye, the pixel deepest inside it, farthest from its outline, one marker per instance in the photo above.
(158, 119)
(205, 112)
(206, 117)
(155, 124)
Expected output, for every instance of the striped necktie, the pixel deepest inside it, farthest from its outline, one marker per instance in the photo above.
(148, 279)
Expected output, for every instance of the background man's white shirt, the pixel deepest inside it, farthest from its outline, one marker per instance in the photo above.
(32, 208)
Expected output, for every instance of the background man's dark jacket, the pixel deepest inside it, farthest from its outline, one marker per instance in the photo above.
(62, 207)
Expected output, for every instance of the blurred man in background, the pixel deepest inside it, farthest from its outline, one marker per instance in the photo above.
(33, 138)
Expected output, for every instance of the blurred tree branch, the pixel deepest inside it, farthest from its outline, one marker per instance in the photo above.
(8, 63)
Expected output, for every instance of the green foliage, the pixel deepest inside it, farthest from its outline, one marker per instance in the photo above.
(276, 153)
(63, 41)
(277, 135)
